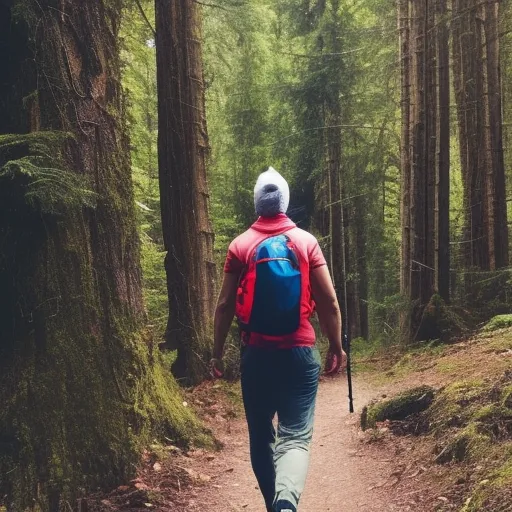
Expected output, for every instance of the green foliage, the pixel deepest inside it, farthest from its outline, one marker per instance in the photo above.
(155, 284)
(498, 322)
(494, 492)
(28, 164)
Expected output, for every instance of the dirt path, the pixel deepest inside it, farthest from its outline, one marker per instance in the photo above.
(344, 476)
(350, 470)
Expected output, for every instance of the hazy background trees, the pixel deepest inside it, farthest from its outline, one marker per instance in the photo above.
(383, 117)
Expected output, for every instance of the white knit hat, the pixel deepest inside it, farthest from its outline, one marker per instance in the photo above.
(271, 194)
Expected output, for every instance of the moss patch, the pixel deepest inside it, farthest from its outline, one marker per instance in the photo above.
(400, 407)
(468, 423)
(493, 493)
(498, 322)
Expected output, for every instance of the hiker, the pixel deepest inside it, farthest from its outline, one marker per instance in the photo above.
(271, 275)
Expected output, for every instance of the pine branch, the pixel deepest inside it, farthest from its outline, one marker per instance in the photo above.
(145, 17)
(211, 5)
(217, 6)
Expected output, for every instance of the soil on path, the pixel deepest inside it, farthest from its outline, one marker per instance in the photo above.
(350, 470)
(345, 474)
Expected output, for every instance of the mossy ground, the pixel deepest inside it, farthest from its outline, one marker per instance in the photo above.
(498, 322)
(400, 407)
(468, 428)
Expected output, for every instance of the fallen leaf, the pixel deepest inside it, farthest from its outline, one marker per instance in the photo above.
(376, 486)
(157, 466)
(192, 474)
(393, 482)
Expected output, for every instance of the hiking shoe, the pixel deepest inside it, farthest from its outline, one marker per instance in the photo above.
(284, 506)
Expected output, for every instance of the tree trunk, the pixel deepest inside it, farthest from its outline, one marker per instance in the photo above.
(468, 81)
(71, 367)
(418, 161)
(442, 219)
(335, 205)
(182, 151)
(405, 156)
(418, 205)
(496, 167)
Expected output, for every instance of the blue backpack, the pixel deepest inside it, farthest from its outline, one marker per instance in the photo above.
(269, 292)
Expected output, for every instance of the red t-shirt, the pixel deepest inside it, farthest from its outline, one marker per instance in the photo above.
(241, 249)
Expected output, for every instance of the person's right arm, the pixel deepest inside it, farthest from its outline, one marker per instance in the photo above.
(329, 315)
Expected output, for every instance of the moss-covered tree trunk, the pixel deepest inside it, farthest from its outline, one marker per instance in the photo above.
(182, 150)
(73, 377)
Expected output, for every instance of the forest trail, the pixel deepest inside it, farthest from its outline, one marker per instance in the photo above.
(343, 476)
(377, 470)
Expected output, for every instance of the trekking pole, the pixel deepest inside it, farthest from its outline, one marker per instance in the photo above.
(346, 339)
(346, 348)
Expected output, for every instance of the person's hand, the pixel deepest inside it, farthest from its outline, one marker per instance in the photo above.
(336, 360)
(216, 368)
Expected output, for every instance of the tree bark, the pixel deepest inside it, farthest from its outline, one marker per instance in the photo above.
(419, 166)
(496, 167)
(182, 151)
(442, 220)
(70, 282)
(405, 157)
(419, 137)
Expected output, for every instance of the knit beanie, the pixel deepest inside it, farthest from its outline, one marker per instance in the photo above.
(271, 194)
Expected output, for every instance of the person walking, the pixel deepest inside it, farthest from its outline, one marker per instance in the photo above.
(275, 275)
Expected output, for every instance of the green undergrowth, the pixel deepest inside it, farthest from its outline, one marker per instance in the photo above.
(384, 363)
(498, 322)
(31, 165)
(468, 423)
(388, 364)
